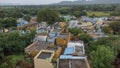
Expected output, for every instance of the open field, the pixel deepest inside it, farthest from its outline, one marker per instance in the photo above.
(98, 13)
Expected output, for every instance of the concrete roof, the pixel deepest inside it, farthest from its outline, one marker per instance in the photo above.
(73, 63)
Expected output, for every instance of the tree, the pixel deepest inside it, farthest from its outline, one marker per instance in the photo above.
(9, 22)
(102, 57)
(1, 23)
(14, 42)
(116, 13)
(1, 53)
(27, 17)
(78, 13)
(106, 29)
(48, 15)
(107, 41)
(75, 31)
(115, 26)
(85, 37)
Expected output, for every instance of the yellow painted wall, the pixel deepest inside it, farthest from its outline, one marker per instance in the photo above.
(41, 63)
(58, 53)
(63, 41)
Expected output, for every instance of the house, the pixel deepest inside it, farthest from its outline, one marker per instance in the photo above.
(86, 24)
(52, 34)
(68, 61)
(42, 30)
(87, 19)
(43, 59)
(75, 48)
(62, 24)
(115, 18)
(73, 23)
(36, 46)
(99, 23)
(62, 39)
(41, 25)
(21, 24)
(68, 17)
(51, 39)
(73, 56)
(97, 35)
(41, 38)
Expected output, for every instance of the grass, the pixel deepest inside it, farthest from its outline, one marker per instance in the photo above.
(98, 13)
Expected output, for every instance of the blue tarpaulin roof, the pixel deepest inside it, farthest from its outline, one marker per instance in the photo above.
(72, 57)
(69, 50)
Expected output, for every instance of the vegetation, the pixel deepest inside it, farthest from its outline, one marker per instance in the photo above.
(115, 26)
(7, 22)
(106, 30)
(98, 13)
(102, 57)
(27, 17)
(101, 52)
(75, 31)
(11, 61)
(14, 42)
(48, 16)
(85, 37)
(79, 13)
(104, 51)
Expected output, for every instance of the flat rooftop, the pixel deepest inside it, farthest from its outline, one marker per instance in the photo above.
(63, 35)
(75, 50)
(37, 46)
(44, 55)
(72, 63)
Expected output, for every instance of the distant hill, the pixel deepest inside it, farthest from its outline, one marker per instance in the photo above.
(84, 2)
(76, 2)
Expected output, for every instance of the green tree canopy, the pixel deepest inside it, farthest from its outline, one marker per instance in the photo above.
(79, 13)
(75, 31)
(115, 26)
(7, 22)
(48, 15)
(102, 57)
(27, 17)
(106, 29)
(14, 42)
(85, 37)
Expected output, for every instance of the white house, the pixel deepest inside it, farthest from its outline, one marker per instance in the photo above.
(78, 46)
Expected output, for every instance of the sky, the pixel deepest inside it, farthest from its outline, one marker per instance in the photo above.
(32, 1)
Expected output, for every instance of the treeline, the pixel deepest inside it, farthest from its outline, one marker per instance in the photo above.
(17, 12)
(114, 9)
(20, 11)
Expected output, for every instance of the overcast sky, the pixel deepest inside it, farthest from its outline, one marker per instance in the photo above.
(32, 1)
